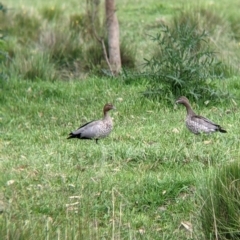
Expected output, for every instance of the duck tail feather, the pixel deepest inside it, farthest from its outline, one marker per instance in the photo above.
(222, 130)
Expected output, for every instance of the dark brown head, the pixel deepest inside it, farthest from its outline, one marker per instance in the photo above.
(183, 100)
(108, 107)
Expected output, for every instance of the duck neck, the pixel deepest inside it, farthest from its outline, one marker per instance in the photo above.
(105, 115)
(189, 109)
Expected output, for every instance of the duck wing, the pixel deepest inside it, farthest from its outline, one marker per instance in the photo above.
(88, 130)
(206, 125)
(84, 125)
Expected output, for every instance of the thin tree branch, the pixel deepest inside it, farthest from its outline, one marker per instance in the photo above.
(101, 40)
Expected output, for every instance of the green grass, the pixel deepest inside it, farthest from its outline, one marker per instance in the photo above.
(143, 181)
(220, 212)
(140, 182)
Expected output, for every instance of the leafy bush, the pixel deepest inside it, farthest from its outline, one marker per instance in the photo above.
(221, 204)
(51, 13)
(183, 63)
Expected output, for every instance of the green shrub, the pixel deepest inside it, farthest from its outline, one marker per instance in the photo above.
(128, 54)
(221, 204)
(25, 27)
(65, 48)
(96, 62)
(34, 66)
(77, 22)
(183, 63)
(52, 13)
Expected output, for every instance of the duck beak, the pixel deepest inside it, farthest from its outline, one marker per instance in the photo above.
(176, 104)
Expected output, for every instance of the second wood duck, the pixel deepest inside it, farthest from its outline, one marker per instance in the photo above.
(197, 124)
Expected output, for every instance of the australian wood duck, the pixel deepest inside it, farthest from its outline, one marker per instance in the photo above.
(196, 123)
(95, 129)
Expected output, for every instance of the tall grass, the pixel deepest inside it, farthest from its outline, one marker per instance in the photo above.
(67, 42)
(220, 197)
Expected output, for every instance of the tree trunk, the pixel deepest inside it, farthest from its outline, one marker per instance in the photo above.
(113, 37)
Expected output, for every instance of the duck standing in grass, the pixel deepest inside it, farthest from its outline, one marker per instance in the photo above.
(95, 129)
(197, 124)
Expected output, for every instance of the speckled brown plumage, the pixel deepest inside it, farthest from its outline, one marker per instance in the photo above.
(196, 123)
(95, 129)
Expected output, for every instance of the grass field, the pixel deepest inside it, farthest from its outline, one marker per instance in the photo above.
(142, 182)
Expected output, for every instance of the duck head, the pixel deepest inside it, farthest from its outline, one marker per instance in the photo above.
(183, 100)
(108, 107)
